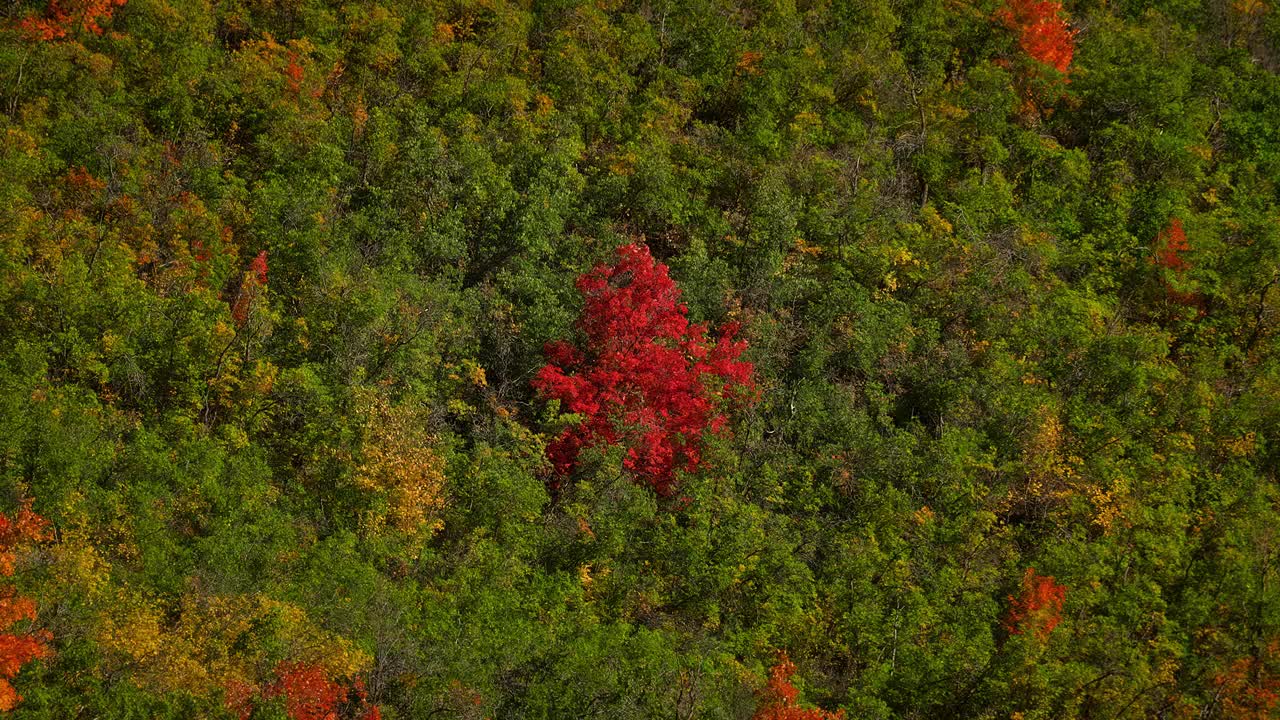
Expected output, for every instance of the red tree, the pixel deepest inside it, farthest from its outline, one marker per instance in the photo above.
(645, 376)
(778, 699)
(1042, 32)
(17, 649)
(1038, 608)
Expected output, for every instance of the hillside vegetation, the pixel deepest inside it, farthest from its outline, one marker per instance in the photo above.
(776, 360)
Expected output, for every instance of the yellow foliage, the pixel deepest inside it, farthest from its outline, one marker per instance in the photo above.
(310, 644)
(20, 141)
(902, 257)
(129, 631)
(1108, 504)
(1053, 474)
(801, 252)
(264, 377)
(805, 120)
(1244, 445)
(475, 373)
(1046, 468)
(1048, 475)
(1250, 7)
(623, 163)
(401, 466)
(215, 641)
(935, 223)
(890, 284)
(924, 515)
(78, 565)
(77, 568)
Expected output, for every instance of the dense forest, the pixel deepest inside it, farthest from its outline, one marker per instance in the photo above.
(753, 359)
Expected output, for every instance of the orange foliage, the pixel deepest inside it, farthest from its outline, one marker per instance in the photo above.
(80, 178)
(1038, 608)
(293, 73)
(749, 63)
(1042, 32)
(308, 693)
(275, 72)
(1249, 689)
(1171, 243)
(778, 699)
(17, 650)
(63, 18)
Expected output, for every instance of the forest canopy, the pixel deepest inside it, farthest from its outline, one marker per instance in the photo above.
(733, 359)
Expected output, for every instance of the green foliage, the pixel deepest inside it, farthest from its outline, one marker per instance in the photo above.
(972, 359)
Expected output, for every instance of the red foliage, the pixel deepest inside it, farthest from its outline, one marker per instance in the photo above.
(239, 698)
(250, 288)
(1038, 608)
(62, 18)
(646, 376)
(1042, 32)
(1171, 245)
(308, 693)
(778, 699)
(360, 699)
(259, 268)
(16, 649)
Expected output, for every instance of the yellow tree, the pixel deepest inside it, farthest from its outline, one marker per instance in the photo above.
(400, 467)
